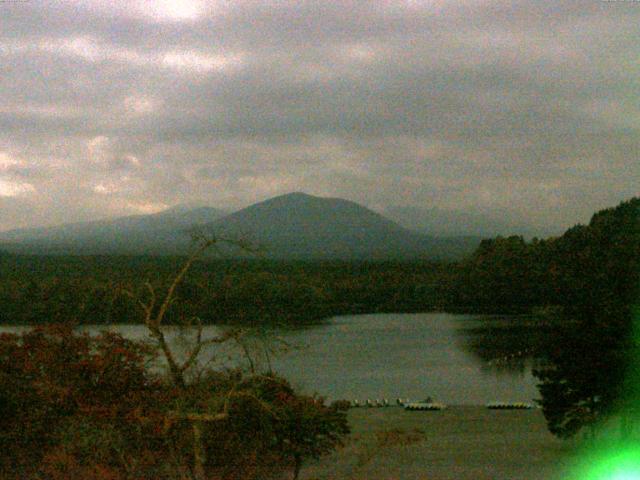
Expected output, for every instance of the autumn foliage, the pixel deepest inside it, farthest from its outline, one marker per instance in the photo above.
(69, 400)
(76, 406)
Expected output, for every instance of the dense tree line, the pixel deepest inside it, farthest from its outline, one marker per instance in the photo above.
(503, 275)
(591, 363)
(38, 290)
(585, 266)
(590, 277)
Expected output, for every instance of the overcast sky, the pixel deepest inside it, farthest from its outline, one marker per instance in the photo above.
(526, 109)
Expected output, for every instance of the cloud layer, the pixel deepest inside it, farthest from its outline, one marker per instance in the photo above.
(517, 108)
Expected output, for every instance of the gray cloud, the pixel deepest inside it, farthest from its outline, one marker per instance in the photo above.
(487, 106)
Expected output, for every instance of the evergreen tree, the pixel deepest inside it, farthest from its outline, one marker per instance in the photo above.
(586, 372)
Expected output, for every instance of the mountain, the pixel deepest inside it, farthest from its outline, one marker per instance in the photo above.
(292, 226)
(301, 226)
(163, 232)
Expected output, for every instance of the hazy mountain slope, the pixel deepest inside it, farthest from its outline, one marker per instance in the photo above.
(440, 222)
(298, 225)
(292, 226)
(163, 232)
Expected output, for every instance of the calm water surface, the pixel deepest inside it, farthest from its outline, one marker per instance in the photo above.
(440, 355)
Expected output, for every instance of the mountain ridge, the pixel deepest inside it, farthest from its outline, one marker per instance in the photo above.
(131, 234)
(290, 226)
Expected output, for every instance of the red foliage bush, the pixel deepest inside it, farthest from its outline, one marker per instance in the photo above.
(81, 407)
(52, 379)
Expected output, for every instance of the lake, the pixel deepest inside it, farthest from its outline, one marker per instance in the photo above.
(455, 359)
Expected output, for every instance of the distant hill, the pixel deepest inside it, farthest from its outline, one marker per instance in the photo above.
(292, 226)
(165, 232)
(301, 226)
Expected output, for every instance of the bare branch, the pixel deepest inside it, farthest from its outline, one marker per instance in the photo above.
(147, 308)
(174, 369)
(147, 311)
(233, 393)
(154, 322)
(152, 293)
(178, 278)
(237, 337)
(193, 355)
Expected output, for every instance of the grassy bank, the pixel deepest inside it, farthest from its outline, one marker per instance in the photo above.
(459, 443)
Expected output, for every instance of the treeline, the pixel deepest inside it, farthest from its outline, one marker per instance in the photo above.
(504, 275)
(590, 276)
(104, 289)
(590, 370)
(587, 265)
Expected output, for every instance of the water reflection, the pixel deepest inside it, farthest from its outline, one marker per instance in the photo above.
(504, 344)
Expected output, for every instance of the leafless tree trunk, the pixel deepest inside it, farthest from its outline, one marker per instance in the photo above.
(154, 313)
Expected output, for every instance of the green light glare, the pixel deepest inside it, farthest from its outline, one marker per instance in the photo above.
(618, 464)
(625, 476)
(622, 460)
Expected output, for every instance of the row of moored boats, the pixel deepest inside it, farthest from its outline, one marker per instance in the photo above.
(429, 404)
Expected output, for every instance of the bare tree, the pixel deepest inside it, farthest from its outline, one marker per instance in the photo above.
(154, 310)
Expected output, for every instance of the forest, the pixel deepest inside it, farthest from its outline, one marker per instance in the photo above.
(587, 284)
(89, 290)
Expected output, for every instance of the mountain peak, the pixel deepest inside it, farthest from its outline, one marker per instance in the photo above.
(295, 196)
(297, 225)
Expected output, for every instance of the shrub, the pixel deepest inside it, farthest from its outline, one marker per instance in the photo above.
(62, 389)
(76, 406)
